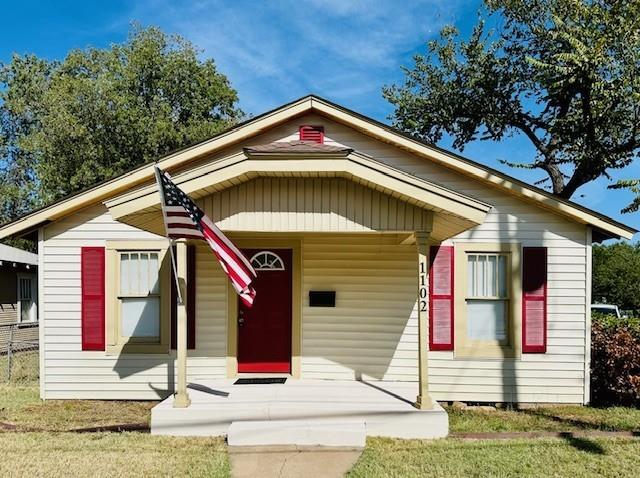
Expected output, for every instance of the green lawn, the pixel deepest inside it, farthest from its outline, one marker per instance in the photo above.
(39, 448)
(110, 455)
(523, 458)
(556, 418)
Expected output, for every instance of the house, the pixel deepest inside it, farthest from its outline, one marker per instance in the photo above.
(18, 286)
(380, 259)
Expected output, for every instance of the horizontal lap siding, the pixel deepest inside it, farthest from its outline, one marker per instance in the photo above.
(372, 331)
(558, 375)
(73, 373)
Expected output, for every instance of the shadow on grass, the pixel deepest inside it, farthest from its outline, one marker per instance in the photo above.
(583, 444)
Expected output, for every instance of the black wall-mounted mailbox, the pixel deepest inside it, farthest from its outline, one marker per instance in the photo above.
(322, 298)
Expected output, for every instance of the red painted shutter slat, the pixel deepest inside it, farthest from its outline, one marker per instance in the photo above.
(534, 299)
(191, 302)
(441, 298)
(92, 290)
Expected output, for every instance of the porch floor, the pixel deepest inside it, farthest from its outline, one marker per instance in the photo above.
(386, 408)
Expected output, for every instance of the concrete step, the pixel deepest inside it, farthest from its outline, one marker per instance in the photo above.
(339, 433)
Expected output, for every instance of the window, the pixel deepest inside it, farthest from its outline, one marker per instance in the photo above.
(487, 299)
(487, 305)
(27, 298)
(267, 261)
(138, 298)
(140, 294)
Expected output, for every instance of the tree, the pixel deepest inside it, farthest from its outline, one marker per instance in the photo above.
(564, 73)
(616, 275)
(67, 125)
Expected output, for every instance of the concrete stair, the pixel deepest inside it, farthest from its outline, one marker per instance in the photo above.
(336, 433)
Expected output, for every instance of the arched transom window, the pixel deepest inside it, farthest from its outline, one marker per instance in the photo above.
(267, 261)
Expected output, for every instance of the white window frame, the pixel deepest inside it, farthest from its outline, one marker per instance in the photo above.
(465, 348)
(275, 264)
(117, 343)
(487, 297)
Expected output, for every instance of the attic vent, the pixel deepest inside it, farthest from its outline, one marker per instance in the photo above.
(314, 134)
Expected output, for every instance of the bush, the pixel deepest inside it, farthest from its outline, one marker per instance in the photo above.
(615, 361)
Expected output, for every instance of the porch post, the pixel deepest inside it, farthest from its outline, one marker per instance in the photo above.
(423, 401)
(181, 398)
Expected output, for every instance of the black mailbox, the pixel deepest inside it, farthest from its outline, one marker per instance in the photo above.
(322, 298)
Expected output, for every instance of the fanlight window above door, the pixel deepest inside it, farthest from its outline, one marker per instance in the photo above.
(267, 261)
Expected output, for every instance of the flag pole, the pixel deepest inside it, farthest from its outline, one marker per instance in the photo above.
(171, 241)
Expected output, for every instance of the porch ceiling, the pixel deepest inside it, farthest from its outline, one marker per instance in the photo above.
(450, 212)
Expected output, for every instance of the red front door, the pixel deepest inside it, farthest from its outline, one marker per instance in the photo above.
(264, 330)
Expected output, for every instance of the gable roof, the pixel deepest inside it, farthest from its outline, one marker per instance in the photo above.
(607, 227)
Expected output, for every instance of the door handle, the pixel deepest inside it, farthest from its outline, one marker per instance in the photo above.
(240, 321)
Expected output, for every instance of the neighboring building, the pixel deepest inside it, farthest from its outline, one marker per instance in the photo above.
(18, 286)
(342, 216)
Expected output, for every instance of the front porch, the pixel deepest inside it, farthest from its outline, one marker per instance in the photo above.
(385, 408)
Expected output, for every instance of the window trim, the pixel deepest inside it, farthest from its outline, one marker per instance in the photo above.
(116, 342)
(33, 312)
(466, 348)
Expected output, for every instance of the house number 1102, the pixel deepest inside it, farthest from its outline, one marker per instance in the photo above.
(423, 287)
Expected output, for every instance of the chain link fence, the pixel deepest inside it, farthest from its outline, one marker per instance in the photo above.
(19, 353)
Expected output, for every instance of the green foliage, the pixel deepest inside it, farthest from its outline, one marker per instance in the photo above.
(615, 361)
(616, 275)
(67, 125)
(565, 73)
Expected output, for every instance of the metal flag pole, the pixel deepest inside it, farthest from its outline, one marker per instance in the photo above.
(171, 241)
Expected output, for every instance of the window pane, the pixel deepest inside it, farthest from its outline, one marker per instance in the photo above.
(144, 274)
(502, 276)
(481, 285)
(154, 268)
(471, 274)
(491, 276)
(486, 320)
(141, 317)
(125, 283)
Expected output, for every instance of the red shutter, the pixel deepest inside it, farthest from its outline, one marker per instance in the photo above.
(315, 134)
(92, 286)
(441, 298)
(191, 302)
(534, 299)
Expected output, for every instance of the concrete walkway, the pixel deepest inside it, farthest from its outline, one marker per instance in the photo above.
(292, 461)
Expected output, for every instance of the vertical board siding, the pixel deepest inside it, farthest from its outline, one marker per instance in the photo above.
(310, 205)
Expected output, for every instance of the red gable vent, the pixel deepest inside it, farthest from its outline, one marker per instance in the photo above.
(314, 134)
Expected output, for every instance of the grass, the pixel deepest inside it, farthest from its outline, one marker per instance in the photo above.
(48, 452)
(21, 406)
(24, 368)
(523, 458)
(111, 455)
(553, 418)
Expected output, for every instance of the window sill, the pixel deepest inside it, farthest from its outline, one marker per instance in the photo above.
(138, 348)
(485, 351)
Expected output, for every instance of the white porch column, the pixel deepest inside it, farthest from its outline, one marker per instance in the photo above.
(423, 401)
(181, 398)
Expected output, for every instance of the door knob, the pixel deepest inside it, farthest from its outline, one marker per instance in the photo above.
(240, 321)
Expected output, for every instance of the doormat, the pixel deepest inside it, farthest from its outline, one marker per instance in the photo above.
(260, 380)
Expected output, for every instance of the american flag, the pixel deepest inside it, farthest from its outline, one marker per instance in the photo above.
(184, 219)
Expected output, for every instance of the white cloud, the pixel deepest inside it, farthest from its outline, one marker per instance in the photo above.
(276, 51)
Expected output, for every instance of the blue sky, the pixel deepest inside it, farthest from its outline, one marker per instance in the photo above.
(276, 51)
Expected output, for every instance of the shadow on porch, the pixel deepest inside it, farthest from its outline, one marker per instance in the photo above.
(386, 408)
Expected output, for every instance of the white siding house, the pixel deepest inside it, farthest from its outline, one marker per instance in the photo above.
(355, 211)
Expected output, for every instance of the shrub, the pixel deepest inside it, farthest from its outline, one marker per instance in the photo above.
(615, 361)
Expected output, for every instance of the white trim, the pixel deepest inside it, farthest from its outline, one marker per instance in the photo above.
(41, 312)
(277, 260)
(587, 333)
(310, 103)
